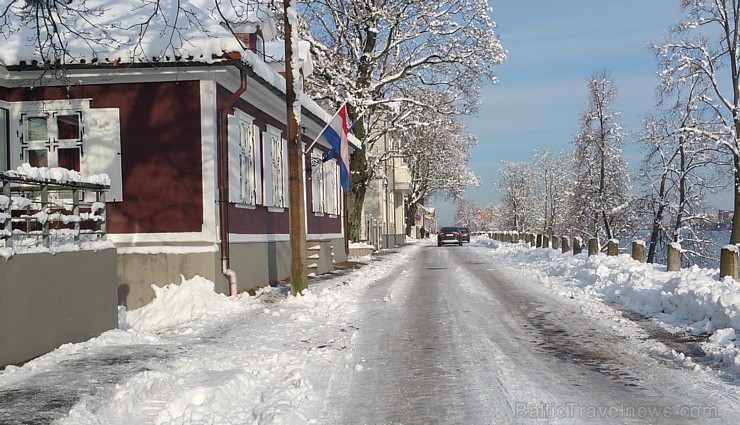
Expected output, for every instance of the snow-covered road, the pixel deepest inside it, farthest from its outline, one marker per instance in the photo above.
(419, 335)
(459, 339)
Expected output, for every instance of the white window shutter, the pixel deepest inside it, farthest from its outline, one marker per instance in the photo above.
(258, 165)
(234, 163)
(102, 148)
(286, 172)
(328, 187)
(267, 166)
(315, 181)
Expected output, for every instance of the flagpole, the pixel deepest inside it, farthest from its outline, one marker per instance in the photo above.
(324, 129)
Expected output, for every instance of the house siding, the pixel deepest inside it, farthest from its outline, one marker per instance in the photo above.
(167, 162)
(161, 157)
(259, 220)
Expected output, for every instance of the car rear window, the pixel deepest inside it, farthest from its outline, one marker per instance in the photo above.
(448, 229)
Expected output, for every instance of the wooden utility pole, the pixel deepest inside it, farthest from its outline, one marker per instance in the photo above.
(296, 209)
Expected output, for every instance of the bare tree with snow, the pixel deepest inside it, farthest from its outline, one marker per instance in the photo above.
(706, 46)
(519, 203)
(553, 187)
(372, 54)
(601, 185)
(680, 166)
(437, 155)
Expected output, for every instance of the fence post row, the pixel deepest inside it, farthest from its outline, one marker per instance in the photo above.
(728, 265)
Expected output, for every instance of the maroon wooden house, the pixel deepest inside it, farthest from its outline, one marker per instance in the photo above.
(163, 113)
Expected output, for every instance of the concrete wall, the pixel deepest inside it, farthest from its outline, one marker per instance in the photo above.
(138, 272)
(331, 252)
(256, 264)
(49, 300)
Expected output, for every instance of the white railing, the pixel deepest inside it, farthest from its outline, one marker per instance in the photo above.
(50, 214)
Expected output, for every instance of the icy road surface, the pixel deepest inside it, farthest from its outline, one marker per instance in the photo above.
(458, 339)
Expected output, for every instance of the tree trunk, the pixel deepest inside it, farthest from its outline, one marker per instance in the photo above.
(411, 217)
(356, 194)
(656, 221)
(735, 235)
(296, 186)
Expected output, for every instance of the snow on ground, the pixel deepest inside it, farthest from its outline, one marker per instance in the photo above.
(281, 353)
(280, 350)
(693, 299)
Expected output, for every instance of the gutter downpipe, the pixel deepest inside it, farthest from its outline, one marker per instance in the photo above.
(222, 141)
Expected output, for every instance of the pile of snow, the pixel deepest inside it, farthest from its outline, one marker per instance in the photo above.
(694, 299)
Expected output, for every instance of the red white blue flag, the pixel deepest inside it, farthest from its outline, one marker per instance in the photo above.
(336, 134)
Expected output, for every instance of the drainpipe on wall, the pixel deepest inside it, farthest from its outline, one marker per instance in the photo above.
(222, 146)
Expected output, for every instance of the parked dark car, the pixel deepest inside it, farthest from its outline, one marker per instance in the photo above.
(449, 234)
(465, 234)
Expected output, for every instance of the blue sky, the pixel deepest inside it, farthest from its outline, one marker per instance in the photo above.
(552, 47)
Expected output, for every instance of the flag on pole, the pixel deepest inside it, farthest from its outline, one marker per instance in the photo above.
(336, 134)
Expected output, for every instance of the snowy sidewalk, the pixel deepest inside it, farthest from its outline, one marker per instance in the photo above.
(194, 356)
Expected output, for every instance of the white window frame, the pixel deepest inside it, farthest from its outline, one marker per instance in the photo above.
(99, 140)
(245, 171)
(331, 181)
(51, 143)
(318, 184)
(275, 169)
(325, 188)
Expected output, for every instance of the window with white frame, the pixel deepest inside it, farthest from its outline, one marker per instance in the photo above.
(325, 185)
(331, 184)
(276, 168)
(67, 134)
(318, 184)
(245, 171)
(52, 138)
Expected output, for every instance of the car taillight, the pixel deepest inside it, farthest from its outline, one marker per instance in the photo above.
(457, 233)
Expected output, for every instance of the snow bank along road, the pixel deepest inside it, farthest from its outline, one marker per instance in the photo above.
(459, 339)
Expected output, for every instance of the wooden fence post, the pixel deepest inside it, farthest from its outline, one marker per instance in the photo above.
(565, 244)
(593, 247)
(638, 250)
(728, 261)
(612, 248)
(556, 243)
(577, 245)
(538, 243)
(545, 241)
(673, 259)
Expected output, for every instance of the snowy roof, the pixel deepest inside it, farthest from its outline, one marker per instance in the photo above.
(137, 31)
(101, 31)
